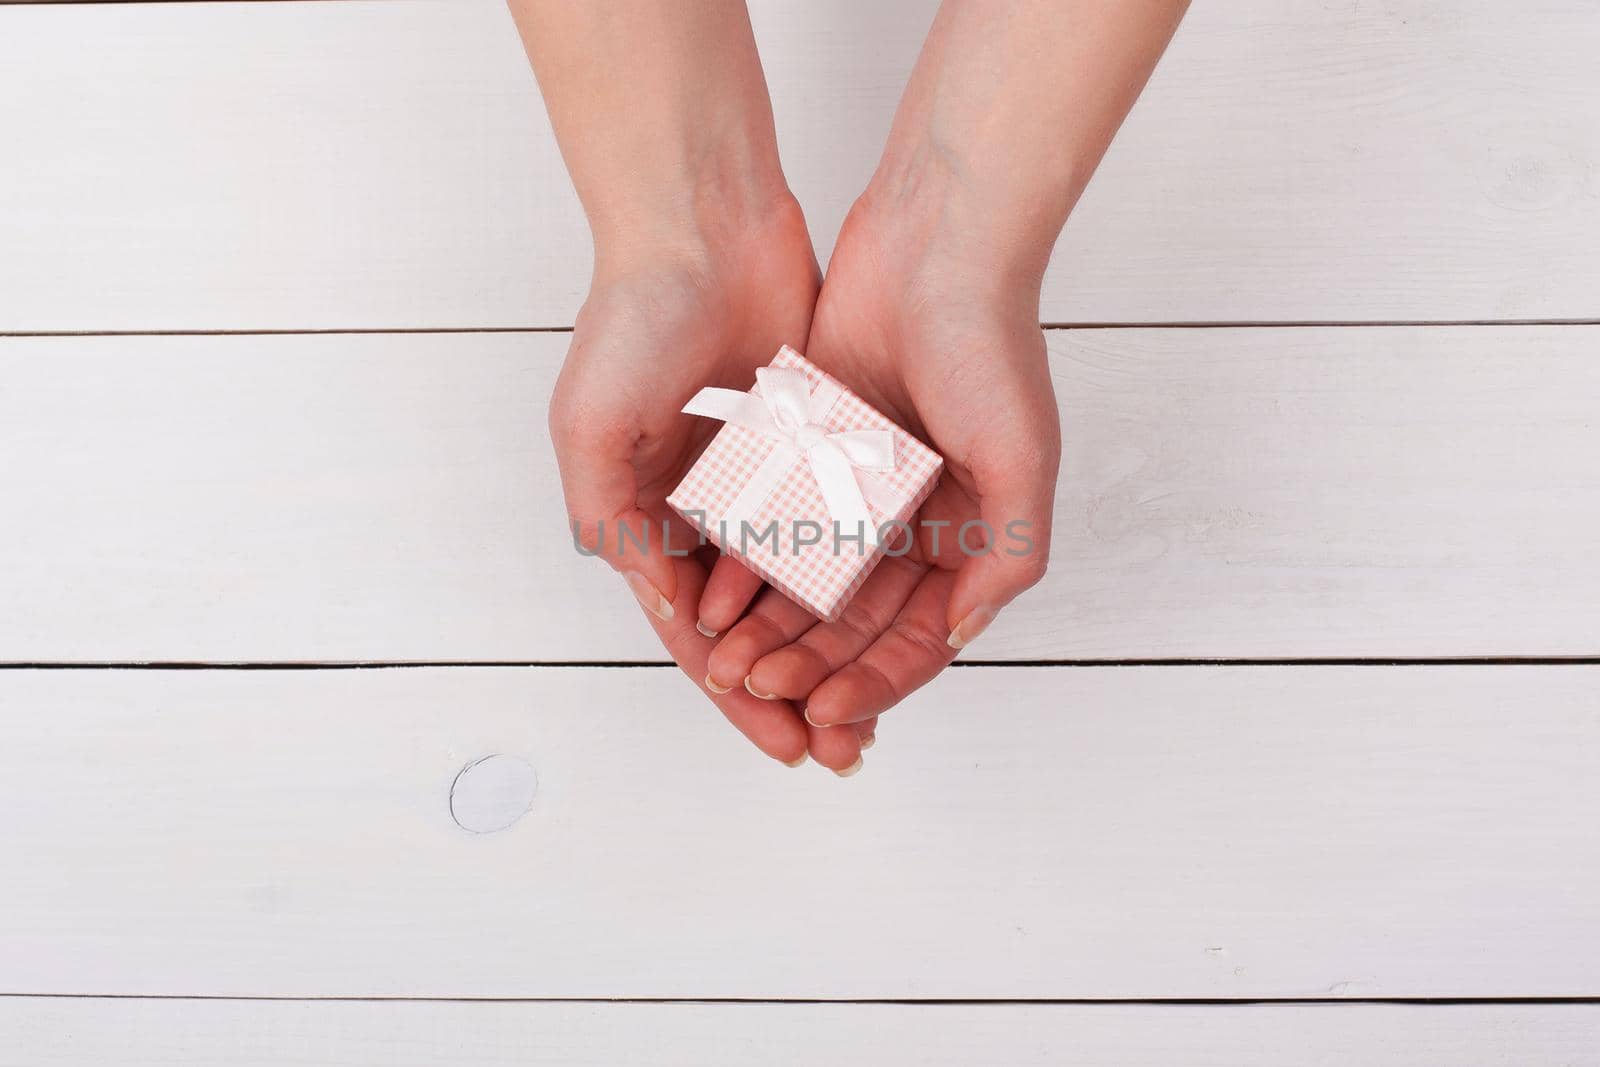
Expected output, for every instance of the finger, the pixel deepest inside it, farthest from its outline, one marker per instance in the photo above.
(868, 732)
(1015, 506)
(773, 726)
(794, 670)
(773, 622)
(833, 748)
(837, 748)
(905, 658)
(729, 590)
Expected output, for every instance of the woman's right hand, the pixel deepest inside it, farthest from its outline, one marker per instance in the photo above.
(664, 318)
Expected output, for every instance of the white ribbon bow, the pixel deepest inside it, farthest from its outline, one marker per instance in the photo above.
(789, 413)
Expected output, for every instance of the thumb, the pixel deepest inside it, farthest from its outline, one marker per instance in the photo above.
(601, 487)
(1014, 520)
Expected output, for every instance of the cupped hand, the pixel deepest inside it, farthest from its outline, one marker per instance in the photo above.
(939, 329)
(661, 322)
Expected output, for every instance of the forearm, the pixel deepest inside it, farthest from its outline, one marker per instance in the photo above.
(662, 114)
(1009, 110)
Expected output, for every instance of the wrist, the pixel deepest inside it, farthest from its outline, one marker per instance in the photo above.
(937, 212)
(704, 196)
(750, 278)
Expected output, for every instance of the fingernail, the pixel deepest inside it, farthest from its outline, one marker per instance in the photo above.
(868, 741)
(968, 629)
(852, 769)
(649, 596)
(715, 688)
(799, 761)
(806, 714)
(763, 696)
(703, 630)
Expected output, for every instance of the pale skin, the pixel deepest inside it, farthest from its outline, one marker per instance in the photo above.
(930, 310)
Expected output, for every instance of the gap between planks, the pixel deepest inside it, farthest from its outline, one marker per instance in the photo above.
(935, 1002)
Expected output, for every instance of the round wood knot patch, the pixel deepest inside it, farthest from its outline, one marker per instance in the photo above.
(492, 793)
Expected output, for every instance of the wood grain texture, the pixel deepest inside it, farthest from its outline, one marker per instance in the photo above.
(365, 164)
(81, 1033)
(1251, 493)
(1114, 832)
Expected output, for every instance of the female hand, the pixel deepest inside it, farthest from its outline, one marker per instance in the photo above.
(662, 320)
(703, 268)
(931, 310)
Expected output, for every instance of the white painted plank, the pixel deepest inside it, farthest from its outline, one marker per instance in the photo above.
(1226, 493)
(1120, 832)
(48, 1032)
(373, 164)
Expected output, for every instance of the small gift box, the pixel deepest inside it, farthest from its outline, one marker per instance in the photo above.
(805, 483)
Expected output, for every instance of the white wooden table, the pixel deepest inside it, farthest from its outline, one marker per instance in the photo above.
(1291, 760)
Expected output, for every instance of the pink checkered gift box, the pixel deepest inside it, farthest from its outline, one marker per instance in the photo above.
(801, 480)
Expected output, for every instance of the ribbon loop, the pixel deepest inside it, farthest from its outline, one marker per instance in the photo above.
(787, 395)
(868, 450)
